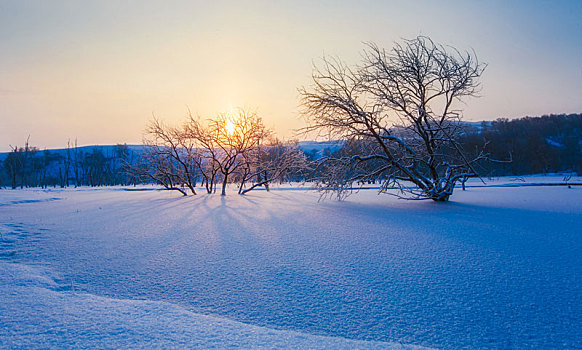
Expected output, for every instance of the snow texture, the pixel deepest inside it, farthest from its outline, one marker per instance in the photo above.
(496, 268)
(37, 312)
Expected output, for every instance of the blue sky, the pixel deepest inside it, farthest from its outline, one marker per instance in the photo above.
(97, 70)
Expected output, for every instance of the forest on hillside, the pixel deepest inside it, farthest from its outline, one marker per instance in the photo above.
(530, 145)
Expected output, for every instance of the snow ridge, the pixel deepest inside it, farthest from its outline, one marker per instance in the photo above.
(38, 311)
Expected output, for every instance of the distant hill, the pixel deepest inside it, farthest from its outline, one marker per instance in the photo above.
(107, 150)
(98, 165)
(309, 147)
(317, 149)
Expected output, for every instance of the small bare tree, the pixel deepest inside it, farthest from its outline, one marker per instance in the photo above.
(207, 158)
(270, 162)
(168, 158)
(158, 167)
(397, 109)
(235, 136)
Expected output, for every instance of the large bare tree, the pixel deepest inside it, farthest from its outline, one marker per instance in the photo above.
(398, 110)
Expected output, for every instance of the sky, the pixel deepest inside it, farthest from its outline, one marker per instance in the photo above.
(96, 71)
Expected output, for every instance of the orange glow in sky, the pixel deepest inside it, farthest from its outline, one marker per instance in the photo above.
(96, 70)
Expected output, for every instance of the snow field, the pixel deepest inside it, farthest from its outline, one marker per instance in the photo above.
(495, 268)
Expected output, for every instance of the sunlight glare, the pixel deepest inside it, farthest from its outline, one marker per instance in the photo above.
(229, 127)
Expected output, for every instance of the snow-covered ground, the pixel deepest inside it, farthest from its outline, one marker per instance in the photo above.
(497, 267)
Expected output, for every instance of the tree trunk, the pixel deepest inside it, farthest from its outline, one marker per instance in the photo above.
(224, 181)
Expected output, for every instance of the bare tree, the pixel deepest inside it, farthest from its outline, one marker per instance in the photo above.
(159, 167)
(216, 150)
(398, 110)
(206, 158)
(19, 165)
(235, 136)
(269, 162)
(167, 158)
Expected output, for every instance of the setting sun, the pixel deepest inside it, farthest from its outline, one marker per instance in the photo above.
(229, 127)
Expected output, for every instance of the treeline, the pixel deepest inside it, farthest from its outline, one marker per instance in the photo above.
(530, 145)
(228, 149)
(209, 155)
(28, 166)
